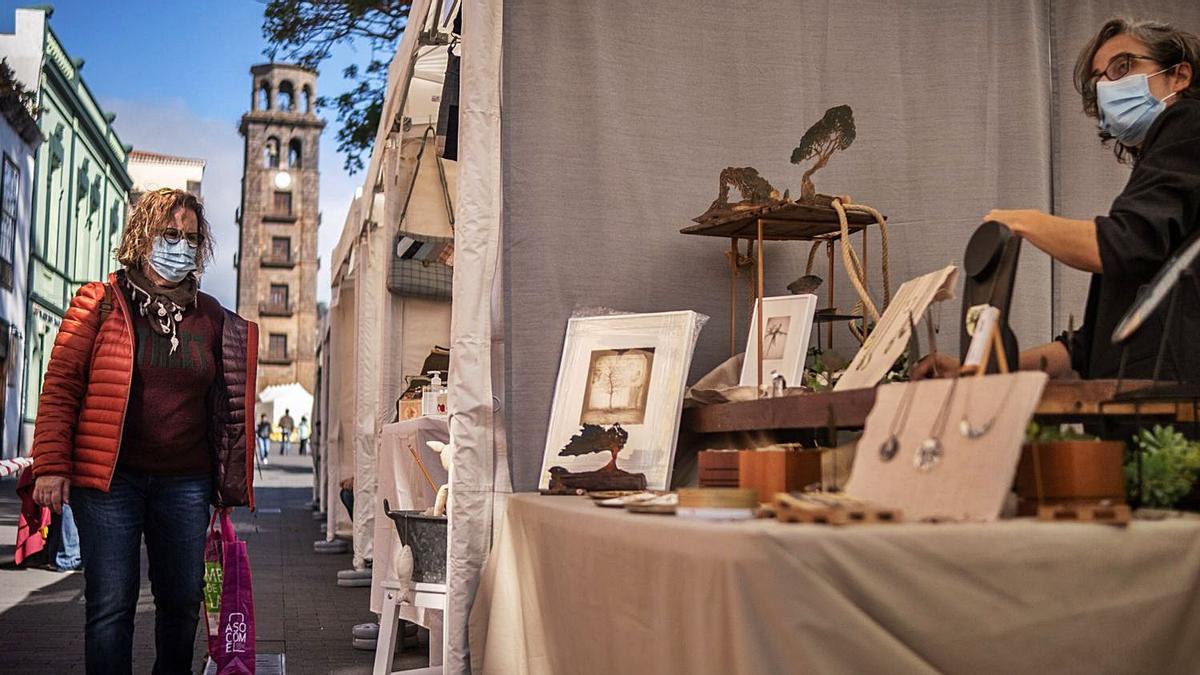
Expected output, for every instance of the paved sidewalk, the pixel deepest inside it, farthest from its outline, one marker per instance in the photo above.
(300, 611)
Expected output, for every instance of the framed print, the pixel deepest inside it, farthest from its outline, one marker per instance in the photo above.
(615, 416)
(785, 339)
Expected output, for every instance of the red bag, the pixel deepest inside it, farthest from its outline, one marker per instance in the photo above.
(32, 522)
(228, 599)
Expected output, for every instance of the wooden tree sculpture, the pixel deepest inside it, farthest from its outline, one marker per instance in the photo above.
(593, 438)
(834, 132)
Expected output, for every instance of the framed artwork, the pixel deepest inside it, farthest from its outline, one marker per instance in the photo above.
(619, 396)
(785, 339)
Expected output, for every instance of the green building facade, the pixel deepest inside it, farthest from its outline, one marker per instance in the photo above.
(80, 199)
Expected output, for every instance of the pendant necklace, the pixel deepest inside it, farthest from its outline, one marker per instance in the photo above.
(891, 445)
(970, 430)
(930, 452)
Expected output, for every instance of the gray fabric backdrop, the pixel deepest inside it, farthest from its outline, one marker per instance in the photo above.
(619, 116)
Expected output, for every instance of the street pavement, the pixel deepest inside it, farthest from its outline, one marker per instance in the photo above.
(300, 611)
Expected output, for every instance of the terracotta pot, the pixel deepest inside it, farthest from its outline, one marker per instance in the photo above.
(1071, 470)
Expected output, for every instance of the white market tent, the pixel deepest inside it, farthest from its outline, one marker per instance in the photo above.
(375, 338)
(617, 119)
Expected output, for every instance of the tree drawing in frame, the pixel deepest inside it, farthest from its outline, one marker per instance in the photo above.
(775, 335)
(618, 386)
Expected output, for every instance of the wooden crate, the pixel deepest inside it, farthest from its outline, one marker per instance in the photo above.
(718, 468)
(773, 471)
(826, 508)
(1104, 514)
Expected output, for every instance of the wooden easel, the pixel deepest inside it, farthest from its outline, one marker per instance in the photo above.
(994, 344)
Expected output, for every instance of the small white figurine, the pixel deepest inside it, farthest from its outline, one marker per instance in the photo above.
(445, 451)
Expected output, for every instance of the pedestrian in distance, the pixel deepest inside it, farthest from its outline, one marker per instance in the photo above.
(303, 432)
(143, 422)
(286, 425)
(263, 434)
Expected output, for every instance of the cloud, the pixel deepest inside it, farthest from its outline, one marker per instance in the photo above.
(169, 126)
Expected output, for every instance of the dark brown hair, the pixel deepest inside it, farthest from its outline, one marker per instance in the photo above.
(151, 215)
(1165, 44)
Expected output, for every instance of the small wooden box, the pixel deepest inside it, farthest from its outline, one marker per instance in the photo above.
(718, 468)
(410, 409)
(773, 471)
(1072, 470)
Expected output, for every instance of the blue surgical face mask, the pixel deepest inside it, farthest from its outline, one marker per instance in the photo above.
(173, 262)
(1127, 108)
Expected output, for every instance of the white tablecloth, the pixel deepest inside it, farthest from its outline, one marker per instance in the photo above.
(404, 487)
(572, 588)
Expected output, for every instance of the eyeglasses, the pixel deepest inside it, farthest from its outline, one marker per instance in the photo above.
(172, 235)
(1118, 67)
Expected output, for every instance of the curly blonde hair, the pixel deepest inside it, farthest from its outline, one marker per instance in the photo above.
(151, 215)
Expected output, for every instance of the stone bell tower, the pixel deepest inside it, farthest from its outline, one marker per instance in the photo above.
(277, 258)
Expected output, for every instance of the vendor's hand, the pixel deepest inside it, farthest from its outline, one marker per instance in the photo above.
(935, 365)
(52, 491)
(1015, 219)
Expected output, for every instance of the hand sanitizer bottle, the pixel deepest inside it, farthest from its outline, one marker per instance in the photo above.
(429, 396)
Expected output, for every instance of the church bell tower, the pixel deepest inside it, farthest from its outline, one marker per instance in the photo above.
(278, 219)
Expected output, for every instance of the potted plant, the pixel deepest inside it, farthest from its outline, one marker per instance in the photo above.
(1170, 464)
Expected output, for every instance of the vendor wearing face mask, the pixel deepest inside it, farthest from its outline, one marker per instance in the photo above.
(1139, 79)
(145, 418)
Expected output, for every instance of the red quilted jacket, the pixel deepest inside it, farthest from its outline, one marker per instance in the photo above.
(81, 412)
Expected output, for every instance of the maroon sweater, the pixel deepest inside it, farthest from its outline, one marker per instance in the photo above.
(166, 426)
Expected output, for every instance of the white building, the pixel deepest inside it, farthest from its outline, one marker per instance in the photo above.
(152, 171)
(19, 141)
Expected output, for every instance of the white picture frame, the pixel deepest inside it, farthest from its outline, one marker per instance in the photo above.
(786, 336)
(647, 358)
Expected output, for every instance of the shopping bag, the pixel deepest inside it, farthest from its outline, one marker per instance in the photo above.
(228, 600)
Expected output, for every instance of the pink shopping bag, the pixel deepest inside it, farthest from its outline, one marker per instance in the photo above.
(228, 599)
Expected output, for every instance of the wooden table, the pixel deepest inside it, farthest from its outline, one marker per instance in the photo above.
(1062, 402)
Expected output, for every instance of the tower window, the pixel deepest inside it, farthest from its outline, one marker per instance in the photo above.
(294, 153)
(277, 346)
(264, 97)
(283, 203)
(271, 153)
(287, 96)
(307, 94)
(279, 296)
(281, 249)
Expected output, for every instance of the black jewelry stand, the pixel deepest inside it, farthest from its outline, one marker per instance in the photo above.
(1178, 391)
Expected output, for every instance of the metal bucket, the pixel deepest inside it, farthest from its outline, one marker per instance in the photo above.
(427, 537)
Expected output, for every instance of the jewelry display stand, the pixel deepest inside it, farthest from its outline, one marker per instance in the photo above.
(970, 476)
(891, 336)
(990, 272)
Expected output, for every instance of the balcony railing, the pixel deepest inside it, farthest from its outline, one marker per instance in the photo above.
(279, 216)
(275, 260)
(276, 309)
(275, 357)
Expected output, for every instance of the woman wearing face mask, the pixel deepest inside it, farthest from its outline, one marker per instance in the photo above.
(1141, 81)
(145, 418)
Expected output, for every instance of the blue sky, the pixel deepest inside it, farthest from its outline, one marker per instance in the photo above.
(177, 74)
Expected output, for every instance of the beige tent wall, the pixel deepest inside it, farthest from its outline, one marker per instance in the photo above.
(412, 326)
(339, 444)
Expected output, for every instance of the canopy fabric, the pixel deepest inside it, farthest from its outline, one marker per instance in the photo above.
(479, 470)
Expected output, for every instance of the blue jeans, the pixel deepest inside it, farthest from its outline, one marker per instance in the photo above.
(264, 445)
(172, 513)
(66, 555)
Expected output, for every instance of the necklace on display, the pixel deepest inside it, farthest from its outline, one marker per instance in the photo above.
(929, 454)
(970, 430)
(891, 445)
